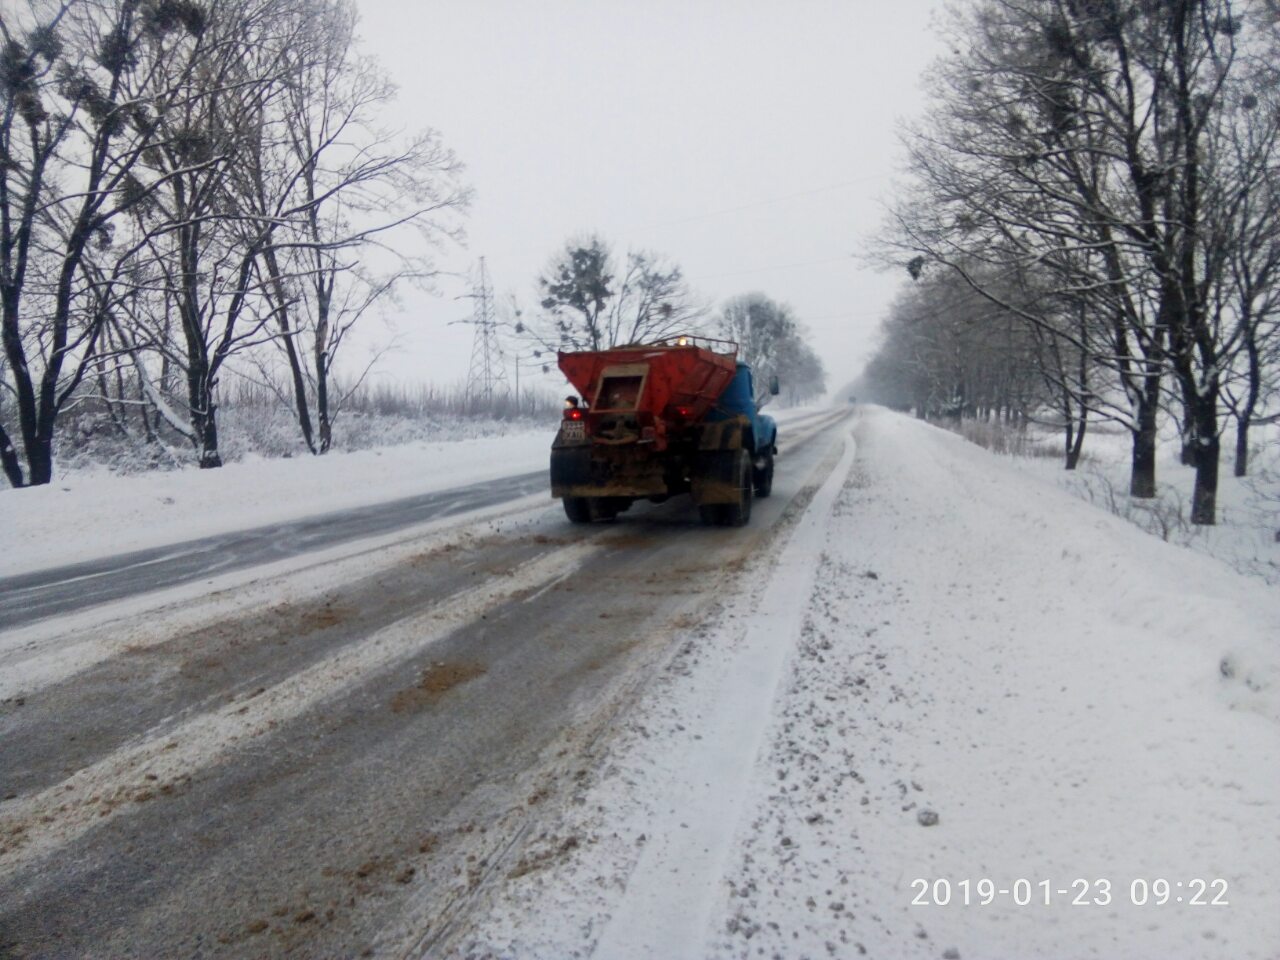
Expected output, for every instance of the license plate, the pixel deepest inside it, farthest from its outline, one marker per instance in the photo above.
(573, 430)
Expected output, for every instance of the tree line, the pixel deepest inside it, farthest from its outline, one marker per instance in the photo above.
(183, 182)
(590, 300)
(1092, 226)
(194, 187)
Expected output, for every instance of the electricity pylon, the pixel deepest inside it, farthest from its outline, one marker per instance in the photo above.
(487, 377)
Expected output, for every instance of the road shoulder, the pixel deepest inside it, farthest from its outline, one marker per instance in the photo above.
(991, 680)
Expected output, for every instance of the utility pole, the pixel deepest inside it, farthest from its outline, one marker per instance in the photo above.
(539, 363)
(487, 375)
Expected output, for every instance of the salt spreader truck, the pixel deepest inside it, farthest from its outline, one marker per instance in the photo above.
(659, 419)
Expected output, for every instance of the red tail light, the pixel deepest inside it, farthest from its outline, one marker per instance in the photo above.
(684, 413)
(573, 413)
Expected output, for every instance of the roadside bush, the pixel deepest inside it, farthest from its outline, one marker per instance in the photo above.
(1005, 438)
(257, 419)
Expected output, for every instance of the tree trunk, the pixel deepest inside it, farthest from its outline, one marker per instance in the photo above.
(204, 422)
(24, 389)
(1187, 433)
(291, 350)
(9, 460)
(1188, 453)
(1204, 499)
(39, 459)
(322, 400)
(205, 426)
(300, 394)
(104, 391)
(1245, 415)
(1242, 447)
(148, 430)
(1073, 451)
(1142, 478)
(324, 298)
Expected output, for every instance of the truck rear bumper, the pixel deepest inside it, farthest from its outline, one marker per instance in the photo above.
(612, 472)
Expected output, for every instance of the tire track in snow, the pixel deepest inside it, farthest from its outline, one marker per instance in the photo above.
(671, 891)
(35, 826)
(49, 651)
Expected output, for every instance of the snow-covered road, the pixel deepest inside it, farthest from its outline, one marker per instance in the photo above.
(335, 753)
(994, 693)
(919, 675)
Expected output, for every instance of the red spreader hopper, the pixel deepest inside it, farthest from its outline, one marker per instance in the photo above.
(680, 378)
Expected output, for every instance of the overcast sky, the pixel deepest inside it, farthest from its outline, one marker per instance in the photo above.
(752, 142)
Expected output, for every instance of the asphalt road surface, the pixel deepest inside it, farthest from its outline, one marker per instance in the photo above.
(34, 596)
(340, 775)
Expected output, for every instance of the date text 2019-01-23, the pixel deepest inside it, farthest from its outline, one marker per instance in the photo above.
(1080, 892)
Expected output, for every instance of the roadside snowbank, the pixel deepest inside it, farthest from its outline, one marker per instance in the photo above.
(1248, 507)
(992, 680)
(96, 514)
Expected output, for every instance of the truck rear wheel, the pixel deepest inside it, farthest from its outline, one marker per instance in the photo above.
(593, 509)
(577, 509)
(738, 513)
(763, 477)
(711, 513)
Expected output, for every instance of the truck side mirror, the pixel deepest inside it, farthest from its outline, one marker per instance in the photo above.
(773, 385)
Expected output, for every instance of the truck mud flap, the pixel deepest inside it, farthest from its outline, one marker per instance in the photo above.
(570, 467)
(715, 478)
(722, 435)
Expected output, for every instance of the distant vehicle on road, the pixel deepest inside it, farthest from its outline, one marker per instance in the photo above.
(676, 416)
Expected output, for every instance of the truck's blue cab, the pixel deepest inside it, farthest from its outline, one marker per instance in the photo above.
(760, 437)
(739, 400)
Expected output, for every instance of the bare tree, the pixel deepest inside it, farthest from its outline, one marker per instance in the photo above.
(956, 354)
(589, 304)
(1246, 226)
(367, 206)
(204, 243)
(81, 84)
(774, 343)
(763, 329)
(801, 374)
(186, 182)
(1078, 140)
(304, 213)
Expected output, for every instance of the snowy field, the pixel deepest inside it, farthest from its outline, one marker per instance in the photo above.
(1245, 535)
(960, 683)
